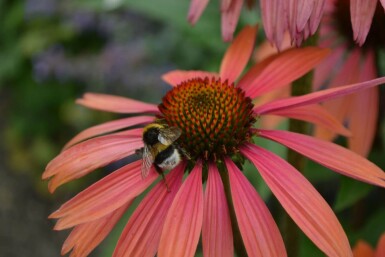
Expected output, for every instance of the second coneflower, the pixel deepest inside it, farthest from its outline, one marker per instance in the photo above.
(218, 121)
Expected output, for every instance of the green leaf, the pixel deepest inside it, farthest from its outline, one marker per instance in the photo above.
(350, 192)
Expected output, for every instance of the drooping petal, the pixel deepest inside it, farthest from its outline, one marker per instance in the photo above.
(196, 9)
(301, 201)
(330, 155)
(314, 114)
(259, 232)
(109, 127)
(86, 237)
(363, 249)
(238, 54)
(104, 196)
(183, 222)
(87, 156)
(273, 20)
(176, 77)
(285, 68)
(361, 12)
(381, 246)
(140, 237)
(118, 104)
(217, 235)
(230, 19)
(317, 97)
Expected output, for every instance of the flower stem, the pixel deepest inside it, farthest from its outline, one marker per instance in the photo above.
(299, 87)
(239, 247)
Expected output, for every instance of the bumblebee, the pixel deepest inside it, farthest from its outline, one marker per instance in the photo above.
(160, 148)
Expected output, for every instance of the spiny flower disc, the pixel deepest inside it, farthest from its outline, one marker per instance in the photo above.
(215, 118)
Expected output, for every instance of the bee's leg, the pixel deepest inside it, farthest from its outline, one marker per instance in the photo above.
(160, 171)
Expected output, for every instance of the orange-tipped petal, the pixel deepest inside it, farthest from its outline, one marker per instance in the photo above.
(183, 223)
(84, 238)
(140, 237)
(317, 97)
(109, 127)
(196, 9)
(259, 232)
(361, 12)
(118, 104)
(301, 201)
(87, 156)
(363, 249)
(176, 77)
(284, 69)
(104, 196)
(238, 54)
(330, 155)
(217, 235)
(230, 19)
(274, 24)
(380, 252)
(316, 115)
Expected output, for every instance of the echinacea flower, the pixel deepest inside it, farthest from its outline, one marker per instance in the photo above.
(217, 117)
(350, 63)
(363, 249)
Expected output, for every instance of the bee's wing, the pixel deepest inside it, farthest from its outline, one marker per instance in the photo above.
(148, 160)
(168, 136)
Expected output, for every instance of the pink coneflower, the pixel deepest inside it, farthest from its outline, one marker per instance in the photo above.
(350, 64)
(363, 249)
(218, 119)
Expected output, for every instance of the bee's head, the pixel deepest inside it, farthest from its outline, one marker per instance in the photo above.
(150, 136)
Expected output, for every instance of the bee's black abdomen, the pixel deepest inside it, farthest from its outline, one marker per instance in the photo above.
(150, 137)
(163, 155)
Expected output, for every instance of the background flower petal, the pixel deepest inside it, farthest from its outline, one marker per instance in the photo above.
(196, 9)
(118, 104)
(380, 251)
(259, 232)
(302, 202)
(140, 237)
(272, 12)
(361, 13)
(217, 235)
(183, 222)
(363, 249)
(230, 19)
(238, 54)
(330, 155)
(104, 196)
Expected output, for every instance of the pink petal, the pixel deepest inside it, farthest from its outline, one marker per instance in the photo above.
(302, 202)
(284, 69)
(109, 127)
(317, 97)
(362, 12)
(274, 24)
(230, 19)
(104, 196)
(87, 156)
(314, 114)
(111, 103)
(238, 54)
(140, 237)
(183, 223)
(196, 9)
(176, 77)
(86, 237)
(316, 16)
(225, 4)
(217, 235)
(259, 232)
(380, 252)
(383, 3)
(329, 155)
